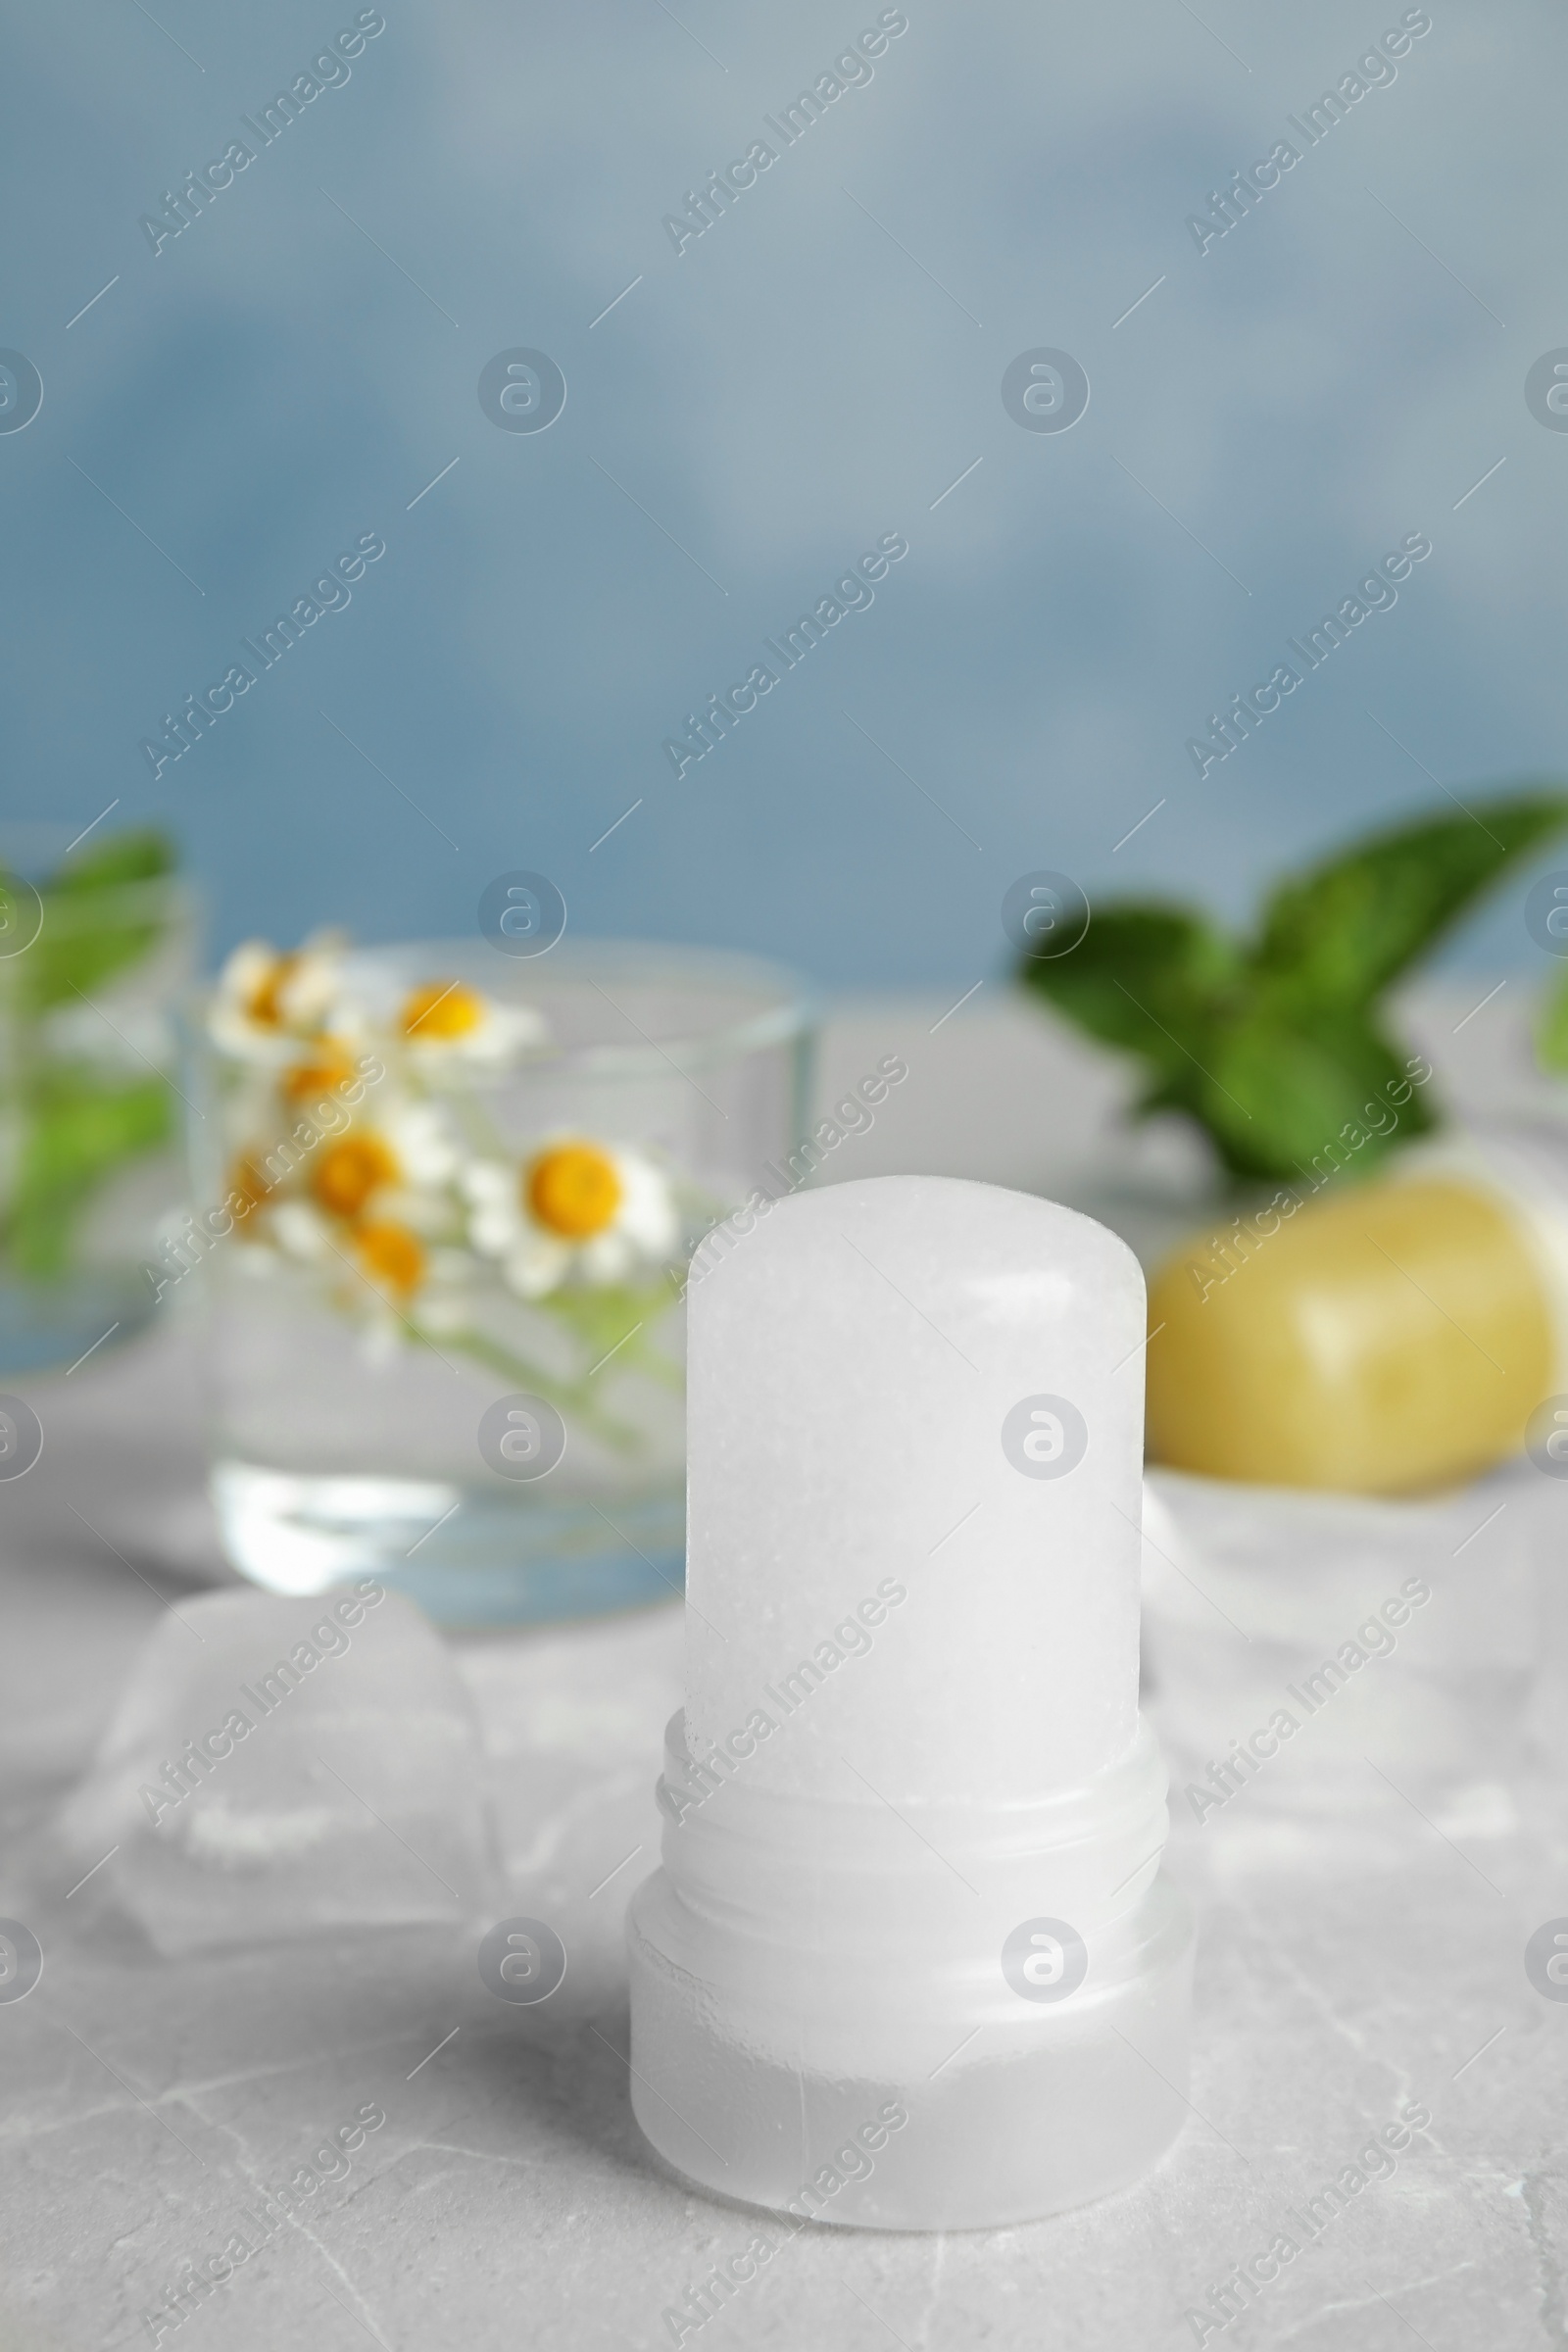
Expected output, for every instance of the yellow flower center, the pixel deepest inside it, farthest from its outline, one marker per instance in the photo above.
(391, 1255)
(443, 1010)
(248, 1188)
(574, 1191)
(351, 1171)
(325, 1067)
(263, 1004)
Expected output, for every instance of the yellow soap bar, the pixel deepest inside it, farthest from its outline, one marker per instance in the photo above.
(1394, 1337)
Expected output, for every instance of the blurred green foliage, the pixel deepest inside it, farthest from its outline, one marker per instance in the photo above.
(68, 1124)
(1274, 1044)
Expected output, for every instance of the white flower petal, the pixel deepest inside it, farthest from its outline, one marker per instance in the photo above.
(507, 1031)
(501, 1032)
(352, 1026)
(537, 1266)
(306, 996)
(418, 1136)
(647, 1214)
(301, 1231)
(422, 1211)
(486, 1182)
(493, 1231)
(237, 1036)
(607, 1258)
(247, 969)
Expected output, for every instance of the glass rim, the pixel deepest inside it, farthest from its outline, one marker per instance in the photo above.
(791, 1009)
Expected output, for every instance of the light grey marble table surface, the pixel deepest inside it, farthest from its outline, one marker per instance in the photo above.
(507, 2198)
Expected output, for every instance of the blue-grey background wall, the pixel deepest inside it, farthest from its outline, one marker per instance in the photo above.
(296, 366)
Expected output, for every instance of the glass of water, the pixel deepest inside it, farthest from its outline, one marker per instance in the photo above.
(446, 1204)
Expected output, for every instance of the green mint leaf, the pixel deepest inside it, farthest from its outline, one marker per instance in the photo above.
(76, 1133)
(103, 911)
(73, 957)
(1551, 1029)
(1276, 1047)
(38, 1238)
(142, 855)
(1288, 1098)
(1152, 979)
(1344, 931)
(102, 915)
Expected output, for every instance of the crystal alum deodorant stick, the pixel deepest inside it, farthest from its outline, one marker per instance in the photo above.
(910, 1961)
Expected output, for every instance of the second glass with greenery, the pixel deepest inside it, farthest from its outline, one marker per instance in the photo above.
(95, 946)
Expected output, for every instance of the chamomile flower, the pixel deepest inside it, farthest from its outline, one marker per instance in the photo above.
(407, 1153)
(380, 1270)
(575, 1207)
(444, 1021)
(267, 1003)
(249, 1188)
(391, 1256)
(379, 1200)
(326, 1067)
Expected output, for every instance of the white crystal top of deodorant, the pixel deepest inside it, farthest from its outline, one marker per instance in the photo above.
(903, 1551)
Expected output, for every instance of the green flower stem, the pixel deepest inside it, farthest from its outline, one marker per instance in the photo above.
(654, 1363)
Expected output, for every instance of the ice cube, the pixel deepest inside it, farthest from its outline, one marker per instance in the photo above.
(280, 1766)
